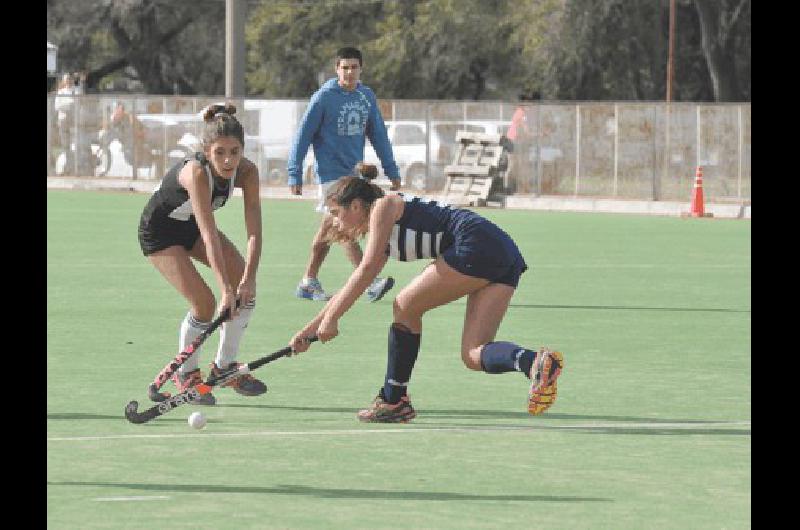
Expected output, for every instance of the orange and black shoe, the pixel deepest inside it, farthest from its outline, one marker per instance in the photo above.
(544, 373)
(380, 411)
(245, 384)
(186, 381)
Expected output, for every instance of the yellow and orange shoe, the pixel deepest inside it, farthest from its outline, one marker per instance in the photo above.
(379, 411)
(544, 373)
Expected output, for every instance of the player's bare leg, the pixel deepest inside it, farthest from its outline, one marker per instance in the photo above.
(437, 285)
(232, 330)
(176, 265)
(479, 351)
(310, 287)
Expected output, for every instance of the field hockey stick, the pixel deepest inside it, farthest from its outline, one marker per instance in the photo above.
(172, 366)
(194, 393)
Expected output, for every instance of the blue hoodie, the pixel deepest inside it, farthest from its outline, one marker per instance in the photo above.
(337, 123)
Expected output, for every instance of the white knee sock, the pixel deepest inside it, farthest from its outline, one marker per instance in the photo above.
(191, 328)
(231, 334)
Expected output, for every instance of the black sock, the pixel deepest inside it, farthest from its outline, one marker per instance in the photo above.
(500, 357)
(403, 350)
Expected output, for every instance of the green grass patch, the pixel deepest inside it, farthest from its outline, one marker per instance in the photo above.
(651, 428)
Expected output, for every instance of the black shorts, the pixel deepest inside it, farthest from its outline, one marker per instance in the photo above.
(485, 251)
(159, 233)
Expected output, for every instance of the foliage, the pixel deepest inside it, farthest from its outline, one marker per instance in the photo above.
(155, 42)
(455, 49)
(618, 49)
(419, 49)
(725, 35)
(293, 46)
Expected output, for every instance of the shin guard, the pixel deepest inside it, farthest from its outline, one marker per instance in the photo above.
(231, 335)
(191, 328)
(402, 354)
(500, 357)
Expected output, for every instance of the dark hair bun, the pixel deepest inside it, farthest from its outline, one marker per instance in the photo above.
(216, 108)
(367, 171)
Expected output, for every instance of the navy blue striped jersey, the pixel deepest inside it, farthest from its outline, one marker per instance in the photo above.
(171, 199)
(426, 229)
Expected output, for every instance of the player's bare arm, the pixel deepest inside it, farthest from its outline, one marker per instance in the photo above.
(194, 179)
(384, 213)
(248, 181)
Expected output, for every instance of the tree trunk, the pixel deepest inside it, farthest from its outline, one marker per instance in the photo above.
(144, 51)
(718, 50)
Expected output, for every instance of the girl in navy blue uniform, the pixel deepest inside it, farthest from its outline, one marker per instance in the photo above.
(472, 257)
(177, 226)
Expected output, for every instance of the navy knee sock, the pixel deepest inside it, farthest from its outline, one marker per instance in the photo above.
(500, 357)
(403, 350)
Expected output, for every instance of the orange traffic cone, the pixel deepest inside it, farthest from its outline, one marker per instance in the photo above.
(697, 208)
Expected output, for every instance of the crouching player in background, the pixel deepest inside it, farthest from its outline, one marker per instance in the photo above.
(472, 257)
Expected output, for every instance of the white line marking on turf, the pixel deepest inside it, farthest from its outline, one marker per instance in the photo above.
(113, 499)
(488, 428)
(559, 266)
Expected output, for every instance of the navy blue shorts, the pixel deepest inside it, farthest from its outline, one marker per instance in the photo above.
(483, 250)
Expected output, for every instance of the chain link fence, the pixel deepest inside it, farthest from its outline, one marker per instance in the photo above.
(611, 149)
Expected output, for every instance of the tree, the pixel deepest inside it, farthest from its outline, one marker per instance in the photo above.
(535, 32)
(144, 30)
(418, 49)
(443, 49)
(292, 45)
(456, 49)
(71, 26)
(725, 26)
(156, 42)
(462, 49)
(393, 65)
(593, 50)
(617, 49)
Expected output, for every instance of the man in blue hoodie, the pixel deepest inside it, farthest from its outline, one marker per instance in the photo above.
(341, 115)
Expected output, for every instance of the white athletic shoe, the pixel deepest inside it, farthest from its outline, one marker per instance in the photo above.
(378, 288)
(311, 289)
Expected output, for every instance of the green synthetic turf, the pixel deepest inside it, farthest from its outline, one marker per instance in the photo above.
(651, 428)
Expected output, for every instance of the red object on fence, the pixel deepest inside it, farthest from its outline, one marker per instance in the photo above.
(697, 208)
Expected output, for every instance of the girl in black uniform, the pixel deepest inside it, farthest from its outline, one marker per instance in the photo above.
(177, 226)
(472, 257)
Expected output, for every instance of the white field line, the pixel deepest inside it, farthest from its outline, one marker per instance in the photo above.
(671, 266)
(128, 499)
(415, 430)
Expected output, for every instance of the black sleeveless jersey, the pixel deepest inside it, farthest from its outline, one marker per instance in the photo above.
(167, 219)
(170, 200)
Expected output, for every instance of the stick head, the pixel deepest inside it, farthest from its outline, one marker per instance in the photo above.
(133, 415)
(131, 412)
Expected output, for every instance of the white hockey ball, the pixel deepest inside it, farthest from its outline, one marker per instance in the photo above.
(197, 420)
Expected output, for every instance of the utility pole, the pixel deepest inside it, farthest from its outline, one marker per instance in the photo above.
(234, 48)
(668, 125)
(671, 48)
